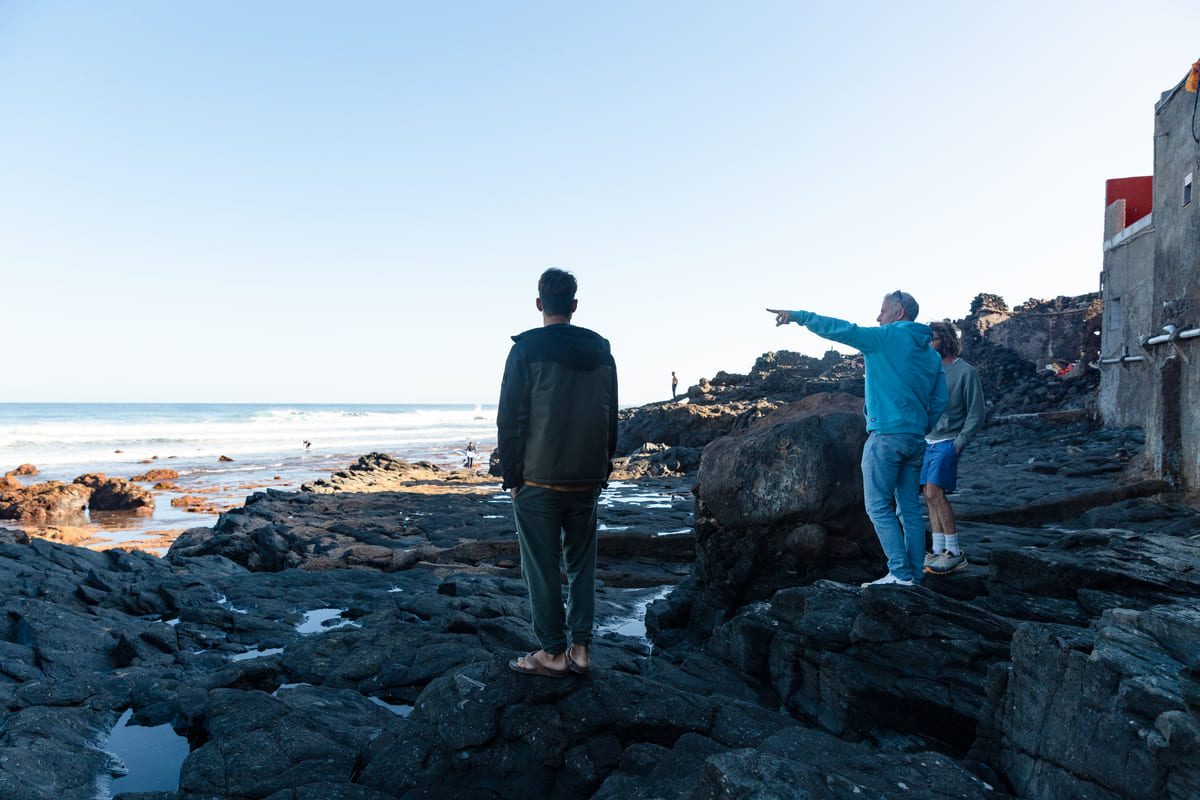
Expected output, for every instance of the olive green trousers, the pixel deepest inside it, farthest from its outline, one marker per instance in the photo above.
(556, 527)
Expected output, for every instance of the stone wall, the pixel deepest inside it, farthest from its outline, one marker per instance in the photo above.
(1151, 284)
(1044, 332)
(1128, 290)
(1173, 426)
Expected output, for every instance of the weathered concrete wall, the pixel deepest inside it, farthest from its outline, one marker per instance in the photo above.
(1173, 431)
(1151, 279)
(1128, 294)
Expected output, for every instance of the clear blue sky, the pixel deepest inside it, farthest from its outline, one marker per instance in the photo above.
(351, 202)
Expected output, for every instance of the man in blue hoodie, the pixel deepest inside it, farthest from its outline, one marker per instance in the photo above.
(906, 393)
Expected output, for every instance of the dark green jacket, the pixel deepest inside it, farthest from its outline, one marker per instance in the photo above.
(557, 420)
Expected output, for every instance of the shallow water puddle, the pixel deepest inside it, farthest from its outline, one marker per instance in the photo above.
(318, 621)
(270, 651)
(619, 492)
(633, 624)
(396, 708)
(152, 757)
(283, 687)
(222, 600)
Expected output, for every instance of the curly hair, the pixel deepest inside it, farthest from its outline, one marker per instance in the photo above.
(948, 342)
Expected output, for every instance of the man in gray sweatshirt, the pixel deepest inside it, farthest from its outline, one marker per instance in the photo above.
(962, 419)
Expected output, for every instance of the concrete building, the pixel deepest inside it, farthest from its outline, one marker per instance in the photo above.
(1150, 339)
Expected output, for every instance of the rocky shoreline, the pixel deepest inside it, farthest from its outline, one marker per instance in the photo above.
(990, 683)
(349, 640)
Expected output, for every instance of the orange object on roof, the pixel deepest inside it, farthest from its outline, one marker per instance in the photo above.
(1193, 80)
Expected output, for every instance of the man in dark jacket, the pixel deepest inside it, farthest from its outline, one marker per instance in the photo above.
(557, 432)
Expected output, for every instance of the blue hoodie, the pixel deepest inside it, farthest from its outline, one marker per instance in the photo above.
(906, 385)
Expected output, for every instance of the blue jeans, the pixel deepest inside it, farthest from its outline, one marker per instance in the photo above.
(891, 469)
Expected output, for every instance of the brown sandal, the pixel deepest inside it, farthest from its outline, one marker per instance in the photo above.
(538, 667)
(578, 669)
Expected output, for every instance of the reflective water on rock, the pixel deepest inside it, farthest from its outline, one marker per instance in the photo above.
(396, 708)
(632, 622)
(270, 651)
(150, 756)
(322, 619)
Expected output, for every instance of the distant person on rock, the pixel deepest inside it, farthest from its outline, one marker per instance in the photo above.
(905, 395)
(470, 455)
(557, 432)
(674, 385)
(962, 419)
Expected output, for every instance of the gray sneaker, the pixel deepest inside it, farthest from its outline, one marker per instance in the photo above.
(929, 557)
(946, 563)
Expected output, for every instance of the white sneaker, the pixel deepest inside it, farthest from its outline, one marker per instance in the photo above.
(889, 578)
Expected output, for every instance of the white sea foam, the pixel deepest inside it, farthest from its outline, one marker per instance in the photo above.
(90, 434)
(265, 442)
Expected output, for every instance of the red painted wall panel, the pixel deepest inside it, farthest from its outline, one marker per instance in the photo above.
(1138, 194)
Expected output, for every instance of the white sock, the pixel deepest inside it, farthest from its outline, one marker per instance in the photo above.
(939, 543)
(952, 543)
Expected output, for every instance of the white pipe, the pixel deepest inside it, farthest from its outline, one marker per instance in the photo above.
(1166, 337)
(1116, 360)
(1134, 358)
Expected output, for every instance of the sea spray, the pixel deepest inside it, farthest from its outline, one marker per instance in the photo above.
(263, 445)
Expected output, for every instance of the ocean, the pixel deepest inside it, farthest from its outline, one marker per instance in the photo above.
(277, 445)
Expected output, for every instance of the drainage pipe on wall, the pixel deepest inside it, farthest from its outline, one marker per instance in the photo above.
(1166, 337)
(1163, 338)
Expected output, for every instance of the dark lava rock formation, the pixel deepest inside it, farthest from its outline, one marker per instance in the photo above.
(349, 641)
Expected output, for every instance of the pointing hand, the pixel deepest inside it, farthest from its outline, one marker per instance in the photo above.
(781, 317)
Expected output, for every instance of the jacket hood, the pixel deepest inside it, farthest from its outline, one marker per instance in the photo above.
(921, 333)
(570, 345)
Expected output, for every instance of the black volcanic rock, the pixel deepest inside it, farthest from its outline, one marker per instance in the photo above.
(351, 640)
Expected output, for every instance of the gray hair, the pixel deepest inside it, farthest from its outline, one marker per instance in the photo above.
(908, 304)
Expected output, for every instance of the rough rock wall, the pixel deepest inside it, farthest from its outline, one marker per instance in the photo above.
(1062, 330)
(777, 502)
(1012, 350)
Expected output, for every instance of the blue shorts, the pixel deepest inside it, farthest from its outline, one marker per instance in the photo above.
(941, 465)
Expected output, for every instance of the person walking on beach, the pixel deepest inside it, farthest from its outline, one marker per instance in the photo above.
(674, 385)
(557, 434)
(962, 419)
(470, 455)
(905, 395)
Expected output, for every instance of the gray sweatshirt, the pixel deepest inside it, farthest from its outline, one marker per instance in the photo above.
(965, 410)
